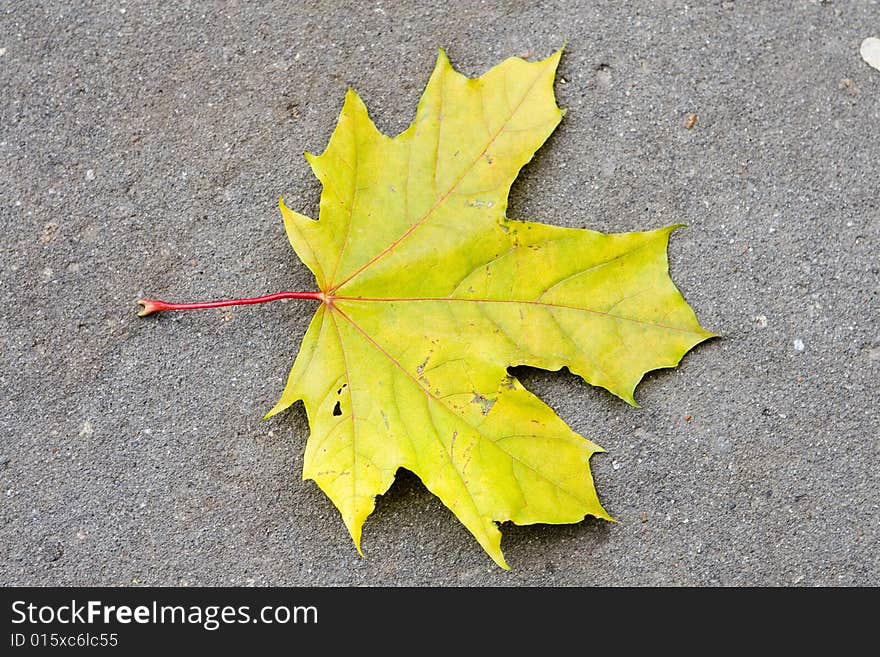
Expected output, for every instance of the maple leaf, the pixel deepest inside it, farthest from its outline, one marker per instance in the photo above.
(430, 293)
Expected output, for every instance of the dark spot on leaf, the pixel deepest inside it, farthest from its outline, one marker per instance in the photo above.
(508, 382)
(337, 410)
(485, 402)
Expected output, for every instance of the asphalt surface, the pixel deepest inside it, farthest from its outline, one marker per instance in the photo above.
(144, 148)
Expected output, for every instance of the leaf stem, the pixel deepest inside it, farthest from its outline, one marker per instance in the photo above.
(151, 306)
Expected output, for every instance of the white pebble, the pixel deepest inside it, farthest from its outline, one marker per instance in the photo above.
(90, 174)
(870, 51)
(798, 344)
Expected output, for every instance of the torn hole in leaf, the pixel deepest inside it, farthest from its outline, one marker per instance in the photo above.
(337, 410)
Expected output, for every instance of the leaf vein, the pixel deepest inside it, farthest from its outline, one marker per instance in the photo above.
(455, 184)
(477, 430)
(529, 303)
(594, 267)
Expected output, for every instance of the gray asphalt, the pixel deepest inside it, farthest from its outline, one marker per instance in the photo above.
(144, 148)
